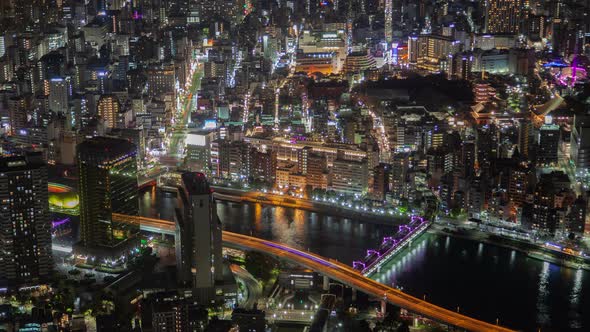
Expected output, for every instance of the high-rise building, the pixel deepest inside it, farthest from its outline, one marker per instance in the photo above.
(580, 144)
(548, 144)
(198, 236)
(388, 21)
(413, 49)
(525, 129)
(58, 95)
(108, 108)
(161, 81)
(3, 42)
(431, 52)
(518, 182)
(316, 171)
(504, 16)
(25, 239)
(17, 112)
(576, 217)
(174, 312)
(349, 176)
(107, 184)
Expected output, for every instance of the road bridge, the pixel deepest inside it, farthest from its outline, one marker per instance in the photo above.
(332, 269)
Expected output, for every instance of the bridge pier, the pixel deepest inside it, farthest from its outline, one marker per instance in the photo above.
(354, 294)
(383, 307)
(326, 285)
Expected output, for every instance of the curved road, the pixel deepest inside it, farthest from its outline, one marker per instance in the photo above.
(347, 275)
(253, 286)
(333, 269)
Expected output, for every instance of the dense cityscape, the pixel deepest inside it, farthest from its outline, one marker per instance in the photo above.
(294, 165)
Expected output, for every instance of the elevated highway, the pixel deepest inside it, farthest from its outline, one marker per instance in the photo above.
(332, 269)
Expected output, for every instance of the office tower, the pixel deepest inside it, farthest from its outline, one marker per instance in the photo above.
(317, 171)
(525, 129)
(518, 183)
(548, 144)
(580, 144)
(381, 175)
(17, 112)
(388, 21)
(576, 217)
(108, 108)
(504, 16)
(544, 215)
(3, 42)
(264, 165)
(198, 236)
(161, 81)
(487, 147)
(412, 49)
(350, 177)
(58, 95)
(398, 181)
(107, 184)
(174, 312)
(25, 239)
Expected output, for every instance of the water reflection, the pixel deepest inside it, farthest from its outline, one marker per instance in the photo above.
(524, 293)
(512, 258)
(543, 316)
(479, 251)
(575, 295)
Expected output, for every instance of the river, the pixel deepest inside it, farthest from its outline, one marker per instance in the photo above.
(481, 280)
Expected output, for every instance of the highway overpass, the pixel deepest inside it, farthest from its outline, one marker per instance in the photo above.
(332, 269)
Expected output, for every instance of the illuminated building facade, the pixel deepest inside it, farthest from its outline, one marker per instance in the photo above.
(17, 112)
(107, 184)
(388, 21)
(325, 63)
(350, 176)
(25, 253)
(59, 94)
(504, 16)
(358, 62)
(431, 52)
(108, 107)
(161, 81)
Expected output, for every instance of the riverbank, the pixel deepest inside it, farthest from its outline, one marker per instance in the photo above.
(530, 249)
(240, 196)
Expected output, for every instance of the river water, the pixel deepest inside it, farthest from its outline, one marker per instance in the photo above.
(481, 280)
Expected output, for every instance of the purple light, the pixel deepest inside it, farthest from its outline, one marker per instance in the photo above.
(549, 244)
(555, 64)
(300, 253)
(395, 243)
(371, 252)
(358, 265)
(58, 223)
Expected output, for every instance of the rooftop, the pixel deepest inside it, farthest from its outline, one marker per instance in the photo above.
(196, 183)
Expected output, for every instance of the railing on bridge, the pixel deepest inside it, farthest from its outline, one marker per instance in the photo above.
(337, 271)
(391, 246)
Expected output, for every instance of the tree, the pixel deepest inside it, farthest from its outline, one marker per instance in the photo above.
(259, 265)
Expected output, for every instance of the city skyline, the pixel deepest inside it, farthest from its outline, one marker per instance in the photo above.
(284, 165)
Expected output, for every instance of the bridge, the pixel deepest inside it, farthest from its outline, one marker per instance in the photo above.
(391, 246)
(332, 269)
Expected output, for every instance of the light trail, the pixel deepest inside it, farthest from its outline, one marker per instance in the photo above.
(334, 270)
